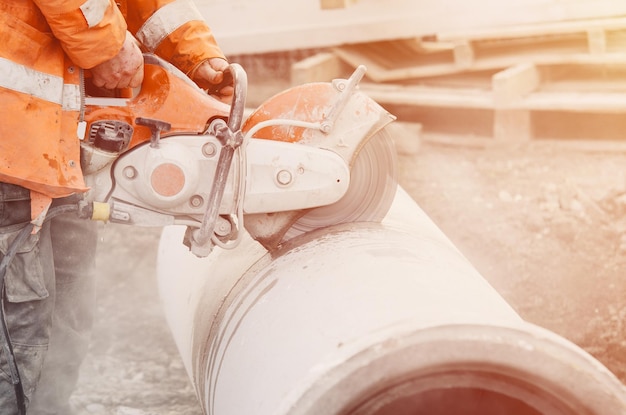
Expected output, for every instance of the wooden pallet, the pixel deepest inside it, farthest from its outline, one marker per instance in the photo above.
(508, 72)
(578, 42)
(511, 104)
(511, 95)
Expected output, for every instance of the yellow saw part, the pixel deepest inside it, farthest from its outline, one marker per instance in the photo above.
(373, 183)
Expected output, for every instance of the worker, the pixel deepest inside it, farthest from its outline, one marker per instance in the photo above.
(48, 296)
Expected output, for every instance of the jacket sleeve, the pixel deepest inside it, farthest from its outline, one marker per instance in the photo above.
(174, 30)
(90, 31)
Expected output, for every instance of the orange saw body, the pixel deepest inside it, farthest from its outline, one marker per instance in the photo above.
(163, 96)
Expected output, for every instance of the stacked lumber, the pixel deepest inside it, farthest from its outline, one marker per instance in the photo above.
(516, 76)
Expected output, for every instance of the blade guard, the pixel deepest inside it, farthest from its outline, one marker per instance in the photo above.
(360, 118)
(342, 119)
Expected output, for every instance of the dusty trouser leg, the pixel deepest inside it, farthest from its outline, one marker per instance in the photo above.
(28, 305)
(74, 245)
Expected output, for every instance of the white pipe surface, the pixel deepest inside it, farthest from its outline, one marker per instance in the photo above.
(366, 318)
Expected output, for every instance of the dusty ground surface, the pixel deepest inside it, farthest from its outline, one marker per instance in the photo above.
(543, 223)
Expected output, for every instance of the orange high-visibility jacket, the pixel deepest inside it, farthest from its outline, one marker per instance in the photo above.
(43, 45)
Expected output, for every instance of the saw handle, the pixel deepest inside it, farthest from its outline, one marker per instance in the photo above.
(238, 104)
(156, 126)
(231, 138)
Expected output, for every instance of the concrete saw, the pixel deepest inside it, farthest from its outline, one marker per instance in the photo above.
(312, 156)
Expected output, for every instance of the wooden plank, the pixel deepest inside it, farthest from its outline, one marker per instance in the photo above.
(335, 4)
(440, 97)
(397, 60)
(252, 26)
(535, 29)
(464, 56)
(587, 102)
(596, 39)
(512, 84)
(512, 125)
(386, 64)
(471, 141)
(509, 87)
(321, 67)
(429, 96)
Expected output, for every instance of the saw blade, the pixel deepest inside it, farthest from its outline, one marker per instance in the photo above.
(373, 183)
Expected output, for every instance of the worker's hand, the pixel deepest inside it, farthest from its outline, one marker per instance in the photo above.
(123, 70)
(213, 75)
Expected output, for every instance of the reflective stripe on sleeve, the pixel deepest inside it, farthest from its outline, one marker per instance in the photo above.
(165, 21)
(29, 81)
(71, 97)
(94, 11)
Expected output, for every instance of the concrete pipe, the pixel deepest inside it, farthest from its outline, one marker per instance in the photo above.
(366, 318)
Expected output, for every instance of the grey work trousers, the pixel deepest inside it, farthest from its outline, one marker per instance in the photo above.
(49, 307)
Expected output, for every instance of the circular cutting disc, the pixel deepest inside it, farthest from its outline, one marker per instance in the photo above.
(373, 183)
